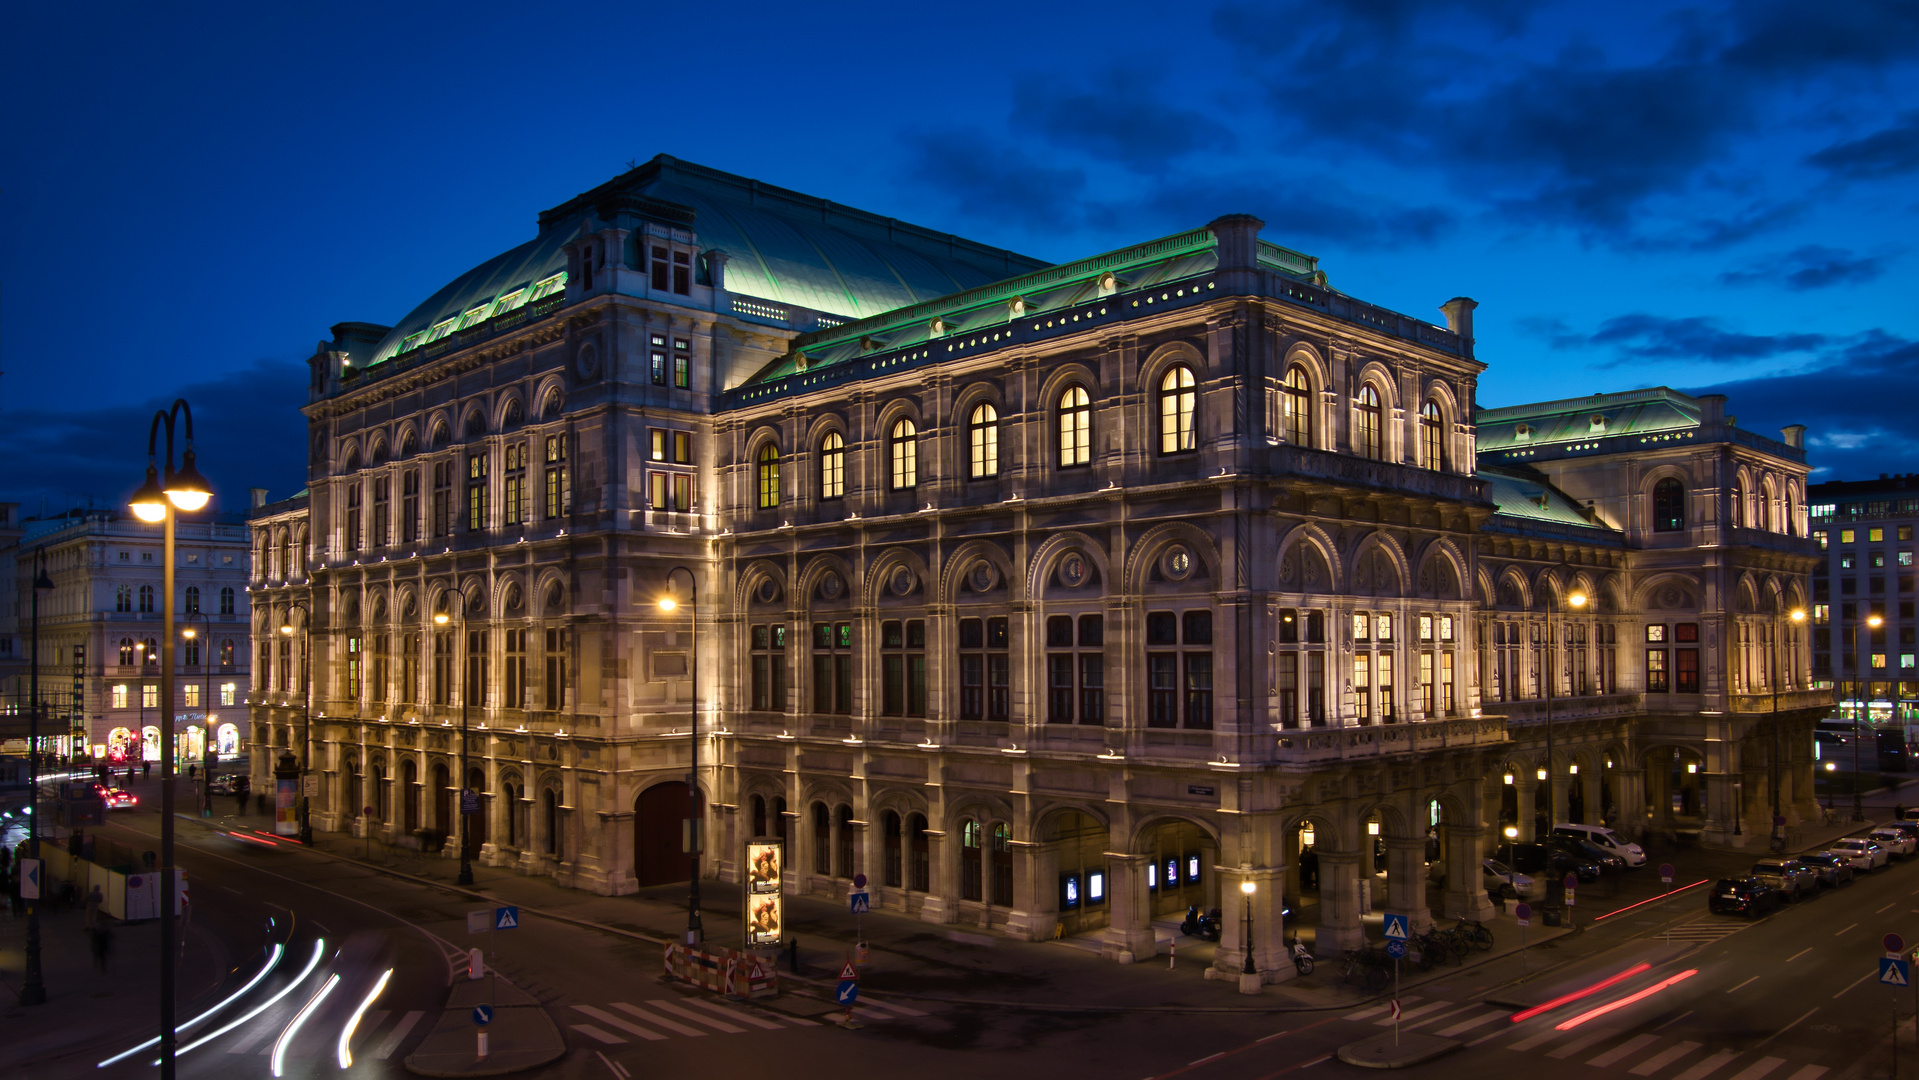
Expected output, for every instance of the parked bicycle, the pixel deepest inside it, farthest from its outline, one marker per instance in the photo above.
(1368, 967)
(1475, 933)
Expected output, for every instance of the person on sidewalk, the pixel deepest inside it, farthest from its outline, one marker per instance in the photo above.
(94, 900)
(100, 939)
(146, 770)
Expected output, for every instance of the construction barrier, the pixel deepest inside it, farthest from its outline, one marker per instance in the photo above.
(732, 972)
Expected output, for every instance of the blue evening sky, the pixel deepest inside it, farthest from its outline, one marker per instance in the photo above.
(1697, 195)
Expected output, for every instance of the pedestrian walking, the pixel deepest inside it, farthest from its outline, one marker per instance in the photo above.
(146, 769)
(100, 938)
(240, 797)
(192, 771)
(94, 900)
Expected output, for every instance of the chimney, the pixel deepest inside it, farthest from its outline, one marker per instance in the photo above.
(258, 497)
(1238, 239)
(1794, 435)
(1459, 319)
(1712, 410)
(716, 260)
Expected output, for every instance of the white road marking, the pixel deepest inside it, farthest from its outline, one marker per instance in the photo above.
(1618, 1053)
(1320, 1060)
(1540, 1039)
(1745, 984)
(398, 1035)
(1758, 1069)
(1674, 1020)
(1663, 1058)
(629, 1027)
(608, 1062)
(1854, 926)
(1810, 1072)
(1797, 955)
(1885, 909)
(1207, 1058)
(1584, 1041)
(605, 1037)
(1436, 1019)
(1432, 1006)
(680, 1010)
(1856, 982)
(743, 1016)
(1709, 1066)
(656, 1021)
(1787, 1028)
(1468, 1025)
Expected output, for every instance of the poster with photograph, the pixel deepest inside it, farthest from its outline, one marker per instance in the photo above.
(765, 907)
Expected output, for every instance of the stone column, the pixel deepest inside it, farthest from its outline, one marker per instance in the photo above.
(1658, 774)
(1590, 794)
(1406, 881)
(1339, 907)
(942, 902)
(1129, 932)
(1525, 788)
(1271, 962)
(1631, 793)
(1035, 911)
(1465, 891)
(1559, 807)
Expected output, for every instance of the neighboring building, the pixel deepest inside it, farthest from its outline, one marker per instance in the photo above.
(1864, 532)
(100, 628)
(1052, 598)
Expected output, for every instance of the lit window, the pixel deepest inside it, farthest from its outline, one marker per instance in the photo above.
(1177, 399)
(1878, 660)
(769, 475)
(440, 329)
(1875, 535)
(1905, 558)
(832, 466)
(1846, 536)
(1906, 660)
(1668, 506)
(1075, 427)
(474, 316)
(1297, 395)
(546, 287)
(510, 301)
(1820, 536)
(1432, 436)
(904, 448)
(1367, 440)
(120, 695)
(227, 692)
(982, 432)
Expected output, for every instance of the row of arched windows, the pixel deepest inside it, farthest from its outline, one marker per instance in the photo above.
(1073, 414)
(148, 652)
(1369, 428)
(123, 599)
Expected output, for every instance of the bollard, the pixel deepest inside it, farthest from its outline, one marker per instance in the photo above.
(483, 1045)
(1172, 954)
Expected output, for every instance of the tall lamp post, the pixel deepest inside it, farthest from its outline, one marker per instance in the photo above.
(469, 686)
(693, 819)
(1247, 887)
(1797, 615)
(33, 991)
(306, 713)
(1551, 676)
(1859, 669)
(206, 711)
(159, 502)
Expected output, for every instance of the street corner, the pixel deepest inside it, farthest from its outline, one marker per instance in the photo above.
(1390, 1051)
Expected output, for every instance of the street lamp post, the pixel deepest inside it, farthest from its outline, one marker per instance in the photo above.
(306, 715)
(1859, 669)
(1551, 675)
(1248, 888)
(1797, 615)
(33, 991)
(694, 817)
(467, 689)
(158, 503)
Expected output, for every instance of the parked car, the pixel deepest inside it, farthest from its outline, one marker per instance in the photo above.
(1591, 852)
(222, 784)
(1910, 828)
(1898, 842)
(1538, 859)
(1866, 854)
(1744, 896)
(1794, 879)
(1605, 838)
(1833, 870)
(1502, 880)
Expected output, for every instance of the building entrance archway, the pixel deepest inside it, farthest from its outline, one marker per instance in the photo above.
(659, 816)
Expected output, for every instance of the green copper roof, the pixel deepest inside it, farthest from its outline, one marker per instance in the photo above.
(781, 246)
(1528, 496)
(1572, 420)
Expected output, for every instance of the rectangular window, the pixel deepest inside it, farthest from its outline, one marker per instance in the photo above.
(354, 668)
(769, 667)
(1179, 687)
(1905, 558)
(409, 669)
(833, 668)
(683, 273)
(1288, 686)
(443, 508)
(985, 669)
(903, 668)
(476, 492)
(1362, 626)
(352, 537)
(1848, 561)
(1363, 687)
(662, 268)
(192, 691)
(1845, 536)
(409, 506)
(682, 492)
(1820, 536)
(1446, 684)
(149, 696)
(228, 691)
(376, 685)
(443, 667)
(657, 356)
(1878, 560)
(515, 657)
(1685, 671)
(557, 492)
(1878, 660)
(477, 664)
(515, 495)
(656, 490)
(682, 363)
(1316, 689)
(682, 448)
(1075, 669)
(555, 686)
(1656, 671)
(1655, 632)
(120, 695)
(658, 438)
(382, 501)
(1875, 535)
(1905, 532)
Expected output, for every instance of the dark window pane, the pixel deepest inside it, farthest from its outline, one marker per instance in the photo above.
(1162, 628)
(1059, 631)
(972, 633)
(1092, 630)
(996, 635)
(1199, 628)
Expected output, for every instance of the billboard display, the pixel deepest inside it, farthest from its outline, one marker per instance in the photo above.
(765, 906)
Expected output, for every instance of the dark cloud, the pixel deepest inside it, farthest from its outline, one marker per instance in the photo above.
(1297, 208)
(1893, 151)
(995, 180)
(1697, 339)
(1781, 37)
(1119, 115)
(99, 453)
(1809, 267)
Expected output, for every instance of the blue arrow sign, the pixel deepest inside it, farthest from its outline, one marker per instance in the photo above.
(847, 992)
(1395, 949)
(1894, 971)
(1397, 928)
(30, 879)
(506, 918)
(483, 1015)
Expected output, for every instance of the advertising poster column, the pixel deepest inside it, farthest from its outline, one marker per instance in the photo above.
(765, 906)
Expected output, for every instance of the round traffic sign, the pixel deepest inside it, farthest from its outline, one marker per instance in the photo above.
(366, 810)
(1894, 943)
(1571, 880)
(483, 1014)
(859, 881)
(1665, 872)
(1522, 911)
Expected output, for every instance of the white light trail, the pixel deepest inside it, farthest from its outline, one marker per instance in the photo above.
(319, 947)
(346, 1033)
(272, 960)
(286, 1037)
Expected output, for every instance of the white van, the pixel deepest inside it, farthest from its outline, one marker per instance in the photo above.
(1605, 838)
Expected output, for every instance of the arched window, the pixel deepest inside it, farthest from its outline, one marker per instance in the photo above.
(1432, 436)
(1003, 864)
(759, 815)
(982, 441)
(1668, 506)
(191, 602)
(895, 868)
(123, 598)
(226, 600)
(1738, 504)
(1176, 401)
(1297, 398)
(152, 657)
(551, 804)
(146, 599)
(903, 447)
(822, 839)
(409, 444)
(226, 652)
(972, 872)
(1075, 427)
(191, 653)
(475, 424)
(554, 403)
(1366, 439)
(769, 472)
(126, 652)
(514, 414)
(833, 466)
(922, 853)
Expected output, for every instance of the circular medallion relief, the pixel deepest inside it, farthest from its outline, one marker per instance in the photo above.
(768, 591)
(1179, 563)
(831, 586)
(587, 361)
(1072, 570)
(982, 577)
(902, 581)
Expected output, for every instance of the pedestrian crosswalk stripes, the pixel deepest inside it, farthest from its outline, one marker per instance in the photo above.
(1477, 1020)
(1702, 931)
(1579, 1045)
(1623, 1050)
(1663, 1058)
(656, 1019)
(1760, 1069)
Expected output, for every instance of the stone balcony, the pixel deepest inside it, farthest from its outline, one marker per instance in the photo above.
(1315, 745)
(1575, 707)
(1788, 701)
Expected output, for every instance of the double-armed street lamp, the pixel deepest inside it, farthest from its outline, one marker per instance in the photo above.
(161, 498)
(668, 603)
(468, 688)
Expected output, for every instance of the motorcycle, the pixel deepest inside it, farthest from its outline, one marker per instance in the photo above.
(1302, 960)
(1203, 926)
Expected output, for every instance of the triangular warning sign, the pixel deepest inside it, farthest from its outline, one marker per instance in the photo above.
(847, 972)
(508, 920)
(1894, 975)
(758, 972)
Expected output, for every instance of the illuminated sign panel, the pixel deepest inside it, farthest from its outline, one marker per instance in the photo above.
(765, 908)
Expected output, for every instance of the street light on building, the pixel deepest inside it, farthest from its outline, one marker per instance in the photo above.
(1873, 620)
(306, 714)
(670, 603)
(1551, 674)
(468, 688)
(159, 501)
(1797, 615)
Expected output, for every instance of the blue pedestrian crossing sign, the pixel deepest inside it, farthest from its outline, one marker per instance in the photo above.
(506, 918)
(847, 992)
(1894, 971)
(1397, 928)
(861, 901)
